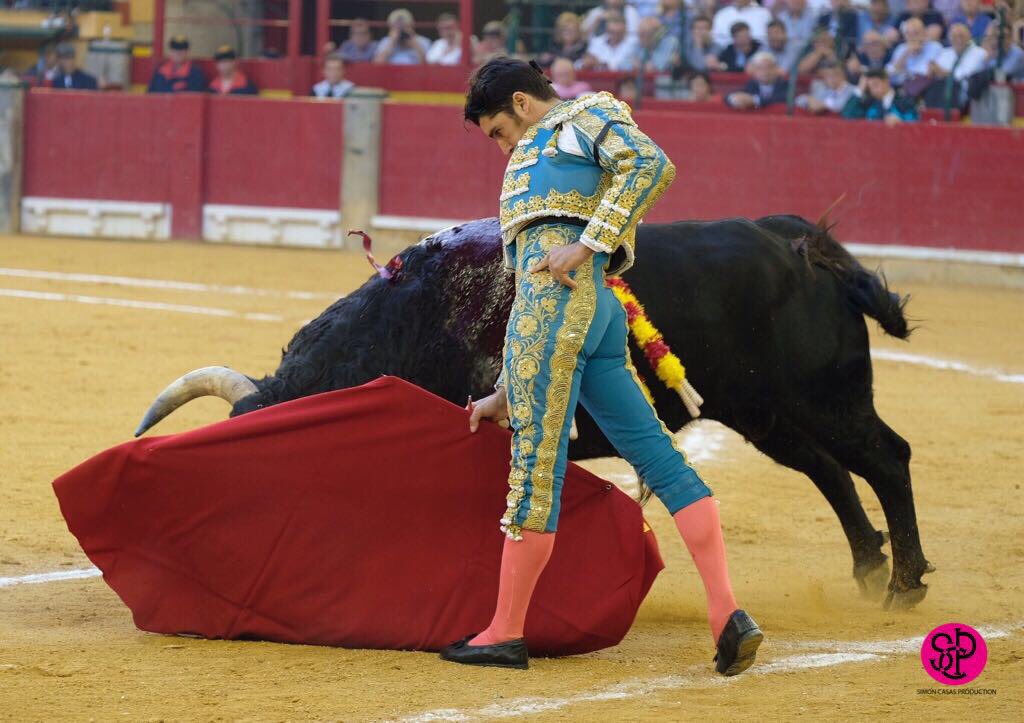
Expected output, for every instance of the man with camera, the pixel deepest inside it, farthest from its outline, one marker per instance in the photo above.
(402, 46)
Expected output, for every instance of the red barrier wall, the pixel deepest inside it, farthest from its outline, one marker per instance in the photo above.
(274, 153)
(75, 145)
(919, 184)
(185, 150)
(434, 166)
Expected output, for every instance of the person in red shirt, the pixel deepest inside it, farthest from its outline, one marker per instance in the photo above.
(178, 73)
(230, 80)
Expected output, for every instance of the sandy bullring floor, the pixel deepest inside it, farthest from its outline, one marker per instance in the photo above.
(80, 361)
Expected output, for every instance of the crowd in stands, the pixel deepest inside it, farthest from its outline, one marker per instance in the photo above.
(866, 58)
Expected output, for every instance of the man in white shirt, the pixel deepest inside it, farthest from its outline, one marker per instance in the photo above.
(962, 58)
(912, 58)
(747, 11)
(592, 21)
(614, 50)
(447, 49)
(334, 84)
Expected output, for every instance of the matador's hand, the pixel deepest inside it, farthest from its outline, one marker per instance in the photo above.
(493, 407)
(563, 259)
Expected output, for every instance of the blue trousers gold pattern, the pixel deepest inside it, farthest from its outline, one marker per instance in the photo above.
(566, 346)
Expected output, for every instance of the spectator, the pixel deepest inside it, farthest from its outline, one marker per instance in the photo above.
(873, 54)
(970, 14)
(877, 18)
(68, 76)
(563, 80)
(753, 15)
(647, 8)
(784, 51)
(735, 57)
(493, 43)
(932, 20)
(830, 91)
(766, 86)
(701, 52)
(177, 74)
(1013, 56)
(657, 51)
(700, 89)
(46, 69)
(800, 21)
(822, 51)
(910, 59)
(594, 22)
(334, 84)
(566, 41)
(960, 60)
(230, 80)
(843, 24)
(360, 46)
(614, 50)
(626, 90)
(876, 99)
(402, 46)
(447, 49)
(673, 17)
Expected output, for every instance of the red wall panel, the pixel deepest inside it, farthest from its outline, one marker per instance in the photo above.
(919, 184)
(435, 166)
(77, 146)
(185, 150)
(273, 153)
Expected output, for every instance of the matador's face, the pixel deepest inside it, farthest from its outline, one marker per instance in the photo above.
(503, 129)
(506, 128)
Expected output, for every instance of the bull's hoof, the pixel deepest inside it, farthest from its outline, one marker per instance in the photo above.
(872, 580)
(905, 599)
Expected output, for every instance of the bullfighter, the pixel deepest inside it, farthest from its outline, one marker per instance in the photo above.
(580, 177)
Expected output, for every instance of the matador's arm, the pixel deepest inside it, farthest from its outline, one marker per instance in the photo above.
(640, 173)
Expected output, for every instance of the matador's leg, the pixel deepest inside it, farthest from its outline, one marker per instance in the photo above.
(611, 392)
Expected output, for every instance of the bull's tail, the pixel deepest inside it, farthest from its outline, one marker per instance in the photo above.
(867, 291)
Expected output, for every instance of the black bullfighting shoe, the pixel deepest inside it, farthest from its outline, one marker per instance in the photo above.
(511, 654)
(737, 645)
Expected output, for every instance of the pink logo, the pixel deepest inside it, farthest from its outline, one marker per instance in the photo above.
(954, 654)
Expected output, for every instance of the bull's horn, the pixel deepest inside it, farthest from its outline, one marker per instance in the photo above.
(208, 381)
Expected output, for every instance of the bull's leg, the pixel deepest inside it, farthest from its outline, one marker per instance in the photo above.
(869, 448)
(791, 447)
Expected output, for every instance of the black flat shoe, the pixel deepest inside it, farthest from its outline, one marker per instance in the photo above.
(511, 654)
(737, 645)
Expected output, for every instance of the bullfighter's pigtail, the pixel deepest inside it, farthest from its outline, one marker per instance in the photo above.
(665, 364)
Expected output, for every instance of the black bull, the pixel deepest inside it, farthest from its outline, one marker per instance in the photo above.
(767, 316)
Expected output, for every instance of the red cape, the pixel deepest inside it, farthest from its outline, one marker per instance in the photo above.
(364, 518)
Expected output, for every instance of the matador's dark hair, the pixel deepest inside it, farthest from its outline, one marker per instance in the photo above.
(492, 85)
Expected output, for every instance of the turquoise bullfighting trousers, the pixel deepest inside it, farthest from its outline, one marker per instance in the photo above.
(564, 346)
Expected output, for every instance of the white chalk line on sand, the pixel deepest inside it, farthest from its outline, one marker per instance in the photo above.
(879, 354)
(161, 284)
(36, 578)
(828, 654)
(136, 304)
(946, 365)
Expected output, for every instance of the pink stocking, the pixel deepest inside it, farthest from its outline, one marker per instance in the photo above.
(522, 562)
(701, 529)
